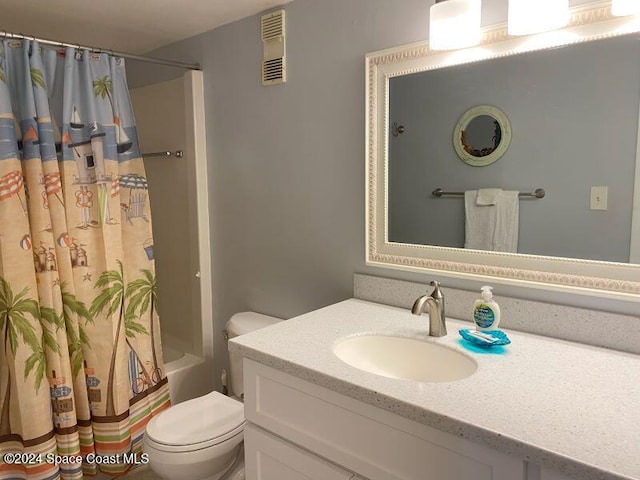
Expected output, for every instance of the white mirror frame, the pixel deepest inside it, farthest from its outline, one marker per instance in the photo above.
(604, 279)
(505, 140)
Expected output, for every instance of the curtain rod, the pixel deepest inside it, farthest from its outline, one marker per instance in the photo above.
(159, 61)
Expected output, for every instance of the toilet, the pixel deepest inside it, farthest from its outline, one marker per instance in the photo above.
(202, 438)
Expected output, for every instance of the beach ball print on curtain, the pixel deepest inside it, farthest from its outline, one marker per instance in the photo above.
(81, 368)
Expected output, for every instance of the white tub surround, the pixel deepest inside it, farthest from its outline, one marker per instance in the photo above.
(563, 406)
(182, 245)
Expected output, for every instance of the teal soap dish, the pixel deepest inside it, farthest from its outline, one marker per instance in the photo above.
(486, 338)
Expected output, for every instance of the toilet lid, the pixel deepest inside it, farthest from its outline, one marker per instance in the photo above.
(203, 419)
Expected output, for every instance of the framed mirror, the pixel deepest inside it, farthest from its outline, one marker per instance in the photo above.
(577, 139)
(482, 135)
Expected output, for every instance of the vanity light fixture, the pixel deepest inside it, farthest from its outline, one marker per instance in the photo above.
(454, 24)
(527, 17)
(621, 8)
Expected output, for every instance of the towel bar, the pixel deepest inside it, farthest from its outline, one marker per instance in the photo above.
(537, 193)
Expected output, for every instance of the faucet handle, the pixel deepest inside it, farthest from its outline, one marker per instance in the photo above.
(437, 293)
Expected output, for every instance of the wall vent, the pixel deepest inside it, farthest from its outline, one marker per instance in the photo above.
(274, 66)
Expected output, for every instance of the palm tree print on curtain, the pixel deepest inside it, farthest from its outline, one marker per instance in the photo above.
(77, 285)
(18, 315)
(76, 333)
(143, 298)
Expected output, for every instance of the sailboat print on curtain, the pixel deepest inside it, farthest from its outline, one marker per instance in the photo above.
(124, 142)
(75, 121)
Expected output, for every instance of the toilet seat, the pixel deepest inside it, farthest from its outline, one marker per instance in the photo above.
(197, 424)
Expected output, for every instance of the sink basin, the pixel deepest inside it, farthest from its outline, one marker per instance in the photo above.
(404, 358)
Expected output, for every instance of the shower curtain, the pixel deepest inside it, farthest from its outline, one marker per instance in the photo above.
(81, 369)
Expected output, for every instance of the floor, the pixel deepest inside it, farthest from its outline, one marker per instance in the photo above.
(140, 473)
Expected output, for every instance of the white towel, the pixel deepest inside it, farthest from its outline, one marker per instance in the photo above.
(492, 227)
(488, 196)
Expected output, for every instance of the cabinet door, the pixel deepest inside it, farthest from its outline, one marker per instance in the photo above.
(270, 458)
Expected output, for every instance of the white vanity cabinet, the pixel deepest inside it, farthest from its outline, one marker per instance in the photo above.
(298, 430)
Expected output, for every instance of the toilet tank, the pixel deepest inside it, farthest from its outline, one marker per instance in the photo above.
(239, 324)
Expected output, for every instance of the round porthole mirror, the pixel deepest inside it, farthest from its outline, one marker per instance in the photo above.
(482, 135)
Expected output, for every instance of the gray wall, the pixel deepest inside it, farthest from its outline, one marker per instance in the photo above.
(287, 162)
(574, 115)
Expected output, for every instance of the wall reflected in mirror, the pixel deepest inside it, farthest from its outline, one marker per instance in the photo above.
(482, 136)
(574, 125)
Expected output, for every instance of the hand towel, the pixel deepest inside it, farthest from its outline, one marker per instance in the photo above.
(488, 196)
(505, 238)
(492, 227)
(479, 223)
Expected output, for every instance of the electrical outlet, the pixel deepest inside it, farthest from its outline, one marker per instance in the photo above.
(599, 198)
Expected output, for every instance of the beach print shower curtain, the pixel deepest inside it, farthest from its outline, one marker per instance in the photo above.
(81, 369)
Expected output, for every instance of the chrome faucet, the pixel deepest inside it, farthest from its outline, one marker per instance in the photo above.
(437, 325)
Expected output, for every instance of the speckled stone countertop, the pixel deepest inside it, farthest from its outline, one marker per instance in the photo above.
(565, 406)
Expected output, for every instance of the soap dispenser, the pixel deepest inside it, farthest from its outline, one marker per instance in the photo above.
(486, 312)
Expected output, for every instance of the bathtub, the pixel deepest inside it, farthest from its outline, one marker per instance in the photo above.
(170, 355)
(189, 376)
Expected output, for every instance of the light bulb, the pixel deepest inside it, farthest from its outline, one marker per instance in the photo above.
(527, 17)
(621, 8)
(454, 24)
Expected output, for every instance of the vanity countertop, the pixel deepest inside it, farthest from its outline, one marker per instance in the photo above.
(562, 405)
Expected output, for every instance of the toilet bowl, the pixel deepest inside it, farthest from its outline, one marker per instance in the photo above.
(202, 438)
